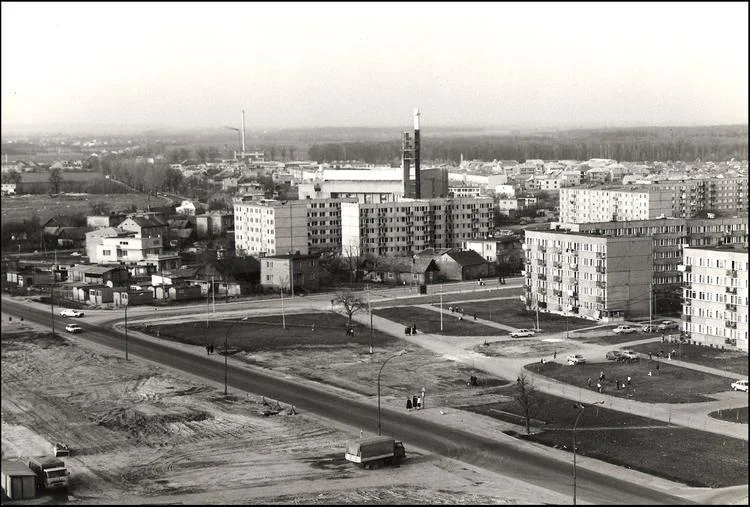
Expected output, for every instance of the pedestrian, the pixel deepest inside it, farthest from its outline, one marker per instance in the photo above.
(212, 348)
(450, 308)
(313, 327)
(461, 317)
(601, 375)
(649, 373)
(669, 356)
(657, 368)
(649, 356)
(414, 401)
(662, 338)
(475, 315)
(599, 387)
(407, 330)
(542, 360)
(408, 403)
(413, 329)
(208, 349)
(588, 382)
(554, 355)
(419, 402)
(628, 379)
(617, 384)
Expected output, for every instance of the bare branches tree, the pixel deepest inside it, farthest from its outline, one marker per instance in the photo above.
(527, 397)
(351, 303)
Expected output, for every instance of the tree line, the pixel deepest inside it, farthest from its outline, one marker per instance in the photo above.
(633, 145)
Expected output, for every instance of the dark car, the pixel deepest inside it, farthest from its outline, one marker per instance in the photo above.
(613, 355)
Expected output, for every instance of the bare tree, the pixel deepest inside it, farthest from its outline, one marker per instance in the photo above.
(527, 397)
(55, 178)
(351, 303)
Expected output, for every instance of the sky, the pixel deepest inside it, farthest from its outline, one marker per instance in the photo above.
(318, 64)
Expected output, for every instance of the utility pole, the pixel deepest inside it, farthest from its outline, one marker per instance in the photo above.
(369, 309)
(213, 294)
(650, 303)
(441, 311)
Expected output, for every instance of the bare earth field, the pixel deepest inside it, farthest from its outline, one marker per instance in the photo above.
(141, 433)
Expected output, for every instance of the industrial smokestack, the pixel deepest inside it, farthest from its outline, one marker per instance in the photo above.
(243, 131)
(417, 178)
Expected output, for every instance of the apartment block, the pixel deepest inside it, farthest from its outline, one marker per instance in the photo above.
(587, 275)
(408, 226)
(270, 227)
(276, 271)
(679, 199)
(715, 296)
(324, 224)
(583, 205)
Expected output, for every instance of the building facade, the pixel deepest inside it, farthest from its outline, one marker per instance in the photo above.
(715, 296)
(276, 271)
(270, 227)
(590, 276)
(408, 226)
(583, 205)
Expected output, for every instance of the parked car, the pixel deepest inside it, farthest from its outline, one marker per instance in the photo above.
(624, 329)
(520, 333)
(68, 312)
(74, 328)
(630, 355)
(650, 328)
(576, 359)
(613, 355)
(667, 325)
(739, 385)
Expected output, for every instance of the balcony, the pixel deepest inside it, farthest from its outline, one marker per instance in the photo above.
(601, 255)
(557, 279)
(732, 273)
(557, 293)
(574, 267)
(541, 276)
(688, 302)
(683, 268)
(731, 307)
(731, 324)
(599, 299)
(601, 285)
(686, 285)
(542, 248)
(540, 262)
(601, 269)
(572, 279)
(732, 290)
(687, 318)
(557, 265)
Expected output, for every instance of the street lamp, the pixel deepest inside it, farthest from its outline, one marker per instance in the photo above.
(579, 407)
(399, 353)
(369, 309)
(126, 329)
(226, 351)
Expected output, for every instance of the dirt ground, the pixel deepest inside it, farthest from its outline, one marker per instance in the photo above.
(141, 433)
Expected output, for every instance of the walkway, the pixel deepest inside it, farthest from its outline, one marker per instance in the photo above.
(691, 415)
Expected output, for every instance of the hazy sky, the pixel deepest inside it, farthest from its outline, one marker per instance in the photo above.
(369, 64)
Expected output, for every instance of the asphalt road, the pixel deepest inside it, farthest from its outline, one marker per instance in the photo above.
(499, 455)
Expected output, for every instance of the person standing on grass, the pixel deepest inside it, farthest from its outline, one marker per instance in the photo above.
(628, 379)
(588, 382)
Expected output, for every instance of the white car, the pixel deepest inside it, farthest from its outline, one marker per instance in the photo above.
(68, 312)
(624, 329)
(576, 359)
(739, 385)
(520, 333)
(74, 328)
(629, 355)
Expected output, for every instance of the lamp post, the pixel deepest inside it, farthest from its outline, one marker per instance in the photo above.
(441, 311)
(369, 309)
(52, 303)
(126, 329)
(579, 407)
(399, 353)
(226, 351)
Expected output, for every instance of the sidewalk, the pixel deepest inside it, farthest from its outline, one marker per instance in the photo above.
(691, 415)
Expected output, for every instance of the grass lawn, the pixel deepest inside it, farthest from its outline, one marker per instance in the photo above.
(724, 359)
(268, 333)
(632, 441)
(735, 415)
(428, 321)
(511, 312)
(671, 384)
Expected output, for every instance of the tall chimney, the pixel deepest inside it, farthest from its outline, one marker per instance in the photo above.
(243, 132)
(417, 182)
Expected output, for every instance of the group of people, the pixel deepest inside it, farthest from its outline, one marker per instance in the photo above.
(410, 330)
(414, 402)
(209, 349)
(602, 377)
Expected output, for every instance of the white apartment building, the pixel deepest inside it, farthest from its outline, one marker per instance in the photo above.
(582, 205)
(405, 227)
(587, 275)
(715, 296)
(270, 227)
(465, 191)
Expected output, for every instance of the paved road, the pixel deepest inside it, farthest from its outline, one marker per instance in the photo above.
(500, 453)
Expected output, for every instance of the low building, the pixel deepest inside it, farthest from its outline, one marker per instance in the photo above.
(276, 271)
(715, 296)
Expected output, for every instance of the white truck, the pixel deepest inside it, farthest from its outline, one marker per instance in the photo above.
(51, 473)
(375, 452)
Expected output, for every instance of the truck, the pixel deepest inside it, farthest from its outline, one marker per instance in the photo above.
(375, 451)
(51, 473)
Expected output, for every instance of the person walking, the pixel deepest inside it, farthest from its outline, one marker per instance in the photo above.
(628, 379)
(208, 349)
(408, 403)
(599, 387)
(588, 382)
(554, 355)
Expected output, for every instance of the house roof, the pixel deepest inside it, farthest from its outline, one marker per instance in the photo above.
(404, 264)
(466, 257)
(60, 221)
(432, 252)
(146, 222)
(95, 269)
